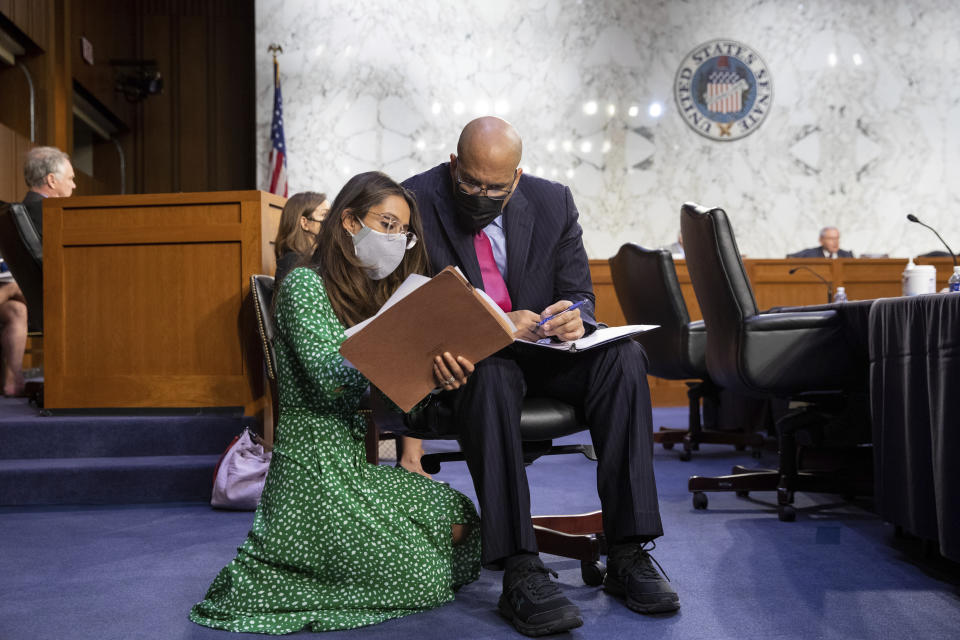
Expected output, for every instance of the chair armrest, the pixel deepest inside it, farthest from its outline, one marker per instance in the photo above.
(792, 321)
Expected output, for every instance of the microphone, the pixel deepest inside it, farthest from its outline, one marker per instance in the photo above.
(913, 218)
(818, 277)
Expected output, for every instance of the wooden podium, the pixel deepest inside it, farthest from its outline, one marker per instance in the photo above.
(146, 299)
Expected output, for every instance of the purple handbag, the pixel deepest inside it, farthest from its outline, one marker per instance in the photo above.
(240, 475)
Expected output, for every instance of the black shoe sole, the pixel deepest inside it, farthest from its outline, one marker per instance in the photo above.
(667, 605)
(565, 623)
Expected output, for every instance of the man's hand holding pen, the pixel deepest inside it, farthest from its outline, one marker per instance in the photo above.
(561, 320)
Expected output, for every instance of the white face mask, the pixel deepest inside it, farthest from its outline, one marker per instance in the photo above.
(381, 253)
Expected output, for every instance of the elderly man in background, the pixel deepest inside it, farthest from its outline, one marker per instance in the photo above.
(49, 174)
(829, 246)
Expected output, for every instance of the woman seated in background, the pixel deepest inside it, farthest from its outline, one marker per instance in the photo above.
(297, 232)
(336, 542)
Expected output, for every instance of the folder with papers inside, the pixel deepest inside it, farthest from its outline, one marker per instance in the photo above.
(395, 349)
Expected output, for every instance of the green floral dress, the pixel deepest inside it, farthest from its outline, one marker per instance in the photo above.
(336, 542)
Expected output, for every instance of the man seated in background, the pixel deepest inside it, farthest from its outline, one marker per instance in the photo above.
(49, 174)
(676, 248)
(829, 246)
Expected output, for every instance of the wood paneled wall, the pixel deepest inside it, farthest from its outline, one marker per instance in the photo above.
(13, 146)
(34, 23)
(111, 26)
(198, 135)
(30, 16)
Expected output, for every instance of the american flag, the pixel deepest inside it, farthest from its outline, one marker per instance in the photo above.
(278, 149)
(724, 92)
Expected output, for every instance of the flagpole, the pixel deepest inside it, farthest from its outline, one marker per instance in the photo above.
(274, 49)
(278, 151)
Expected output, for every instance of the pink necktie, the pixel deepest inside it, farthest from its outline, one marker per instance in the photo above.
(493, 282)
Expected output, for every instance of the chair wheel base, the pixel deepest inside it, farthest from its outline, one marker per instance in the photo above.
(685, 456)
(743, 494)
(700, 500)
(668, 445)
(592, 573)
(786, 513)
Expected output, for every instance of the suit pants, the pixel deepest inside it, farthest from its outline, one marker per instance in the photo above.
(610, 385)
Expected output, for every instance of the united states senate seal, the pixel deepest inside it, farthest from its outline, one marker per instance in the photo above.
(723, 90)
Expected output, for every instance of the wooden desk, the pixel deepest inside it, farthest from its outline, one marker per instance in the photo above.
(864, 278)
(145, 299)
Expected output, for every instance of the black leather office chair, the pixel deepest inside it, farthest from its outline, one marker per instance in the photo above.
(22, 249)
(573, 536)
(649, 293)
(801, 356)
(542, 420)
(261, 289)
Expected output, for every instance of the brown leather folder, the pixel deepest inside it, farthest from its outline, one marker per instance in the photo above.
(396, 350)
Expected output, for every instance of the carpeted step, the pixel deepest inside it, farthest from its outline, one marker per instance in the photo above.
(115, 435)
(114, 480)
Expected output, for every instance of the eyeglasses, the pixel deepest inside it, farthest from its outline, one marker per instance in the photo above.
(312, 219)
(392, 227)
(495, 192)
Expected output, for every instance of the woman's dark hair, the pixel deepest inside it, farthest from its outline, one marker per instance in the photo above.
(353, 295)
(290, 235)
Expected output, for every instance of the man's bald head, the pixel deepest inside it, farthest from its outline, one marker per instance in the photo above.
(490, 144)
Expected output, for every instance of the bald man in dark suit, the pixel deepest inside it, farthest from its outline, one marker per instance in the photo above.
(518, 238)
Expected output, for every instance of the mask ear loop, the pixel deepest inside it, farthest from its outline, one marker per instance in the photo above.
(359, 235)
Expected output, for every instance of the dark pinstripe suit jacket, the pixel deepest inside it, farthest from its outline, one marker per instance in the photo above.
(546, 260)
(817, 252)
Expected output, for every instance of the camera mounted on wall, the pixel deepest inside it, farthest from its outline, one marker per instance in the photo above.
(137, 80)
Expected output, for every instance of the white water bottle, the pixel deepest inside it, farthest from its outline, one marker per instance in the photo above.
(953, 285)
(840, 295)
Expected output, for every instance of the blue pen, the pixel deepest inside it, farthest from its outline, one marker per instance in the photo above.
(575, 305)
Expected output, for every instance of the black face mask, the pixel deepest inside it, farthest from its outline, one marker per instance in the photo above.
(476, 212)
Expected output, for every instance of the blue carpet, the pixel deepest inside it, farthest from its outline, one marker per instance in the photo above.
(107, 572)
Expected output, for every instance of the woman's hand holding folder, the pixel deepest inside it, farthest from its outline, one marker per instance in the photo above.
(451, 373)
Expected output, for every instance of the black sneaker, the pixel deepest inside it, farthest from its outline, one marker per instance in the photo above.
(631, 573)
(533, 602)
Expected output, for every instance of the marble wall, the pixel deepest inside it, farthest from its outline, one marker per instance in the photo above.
(864, 126)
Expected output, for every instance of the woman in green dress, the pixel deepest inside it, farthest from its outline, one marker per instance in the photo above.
(336, 542)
